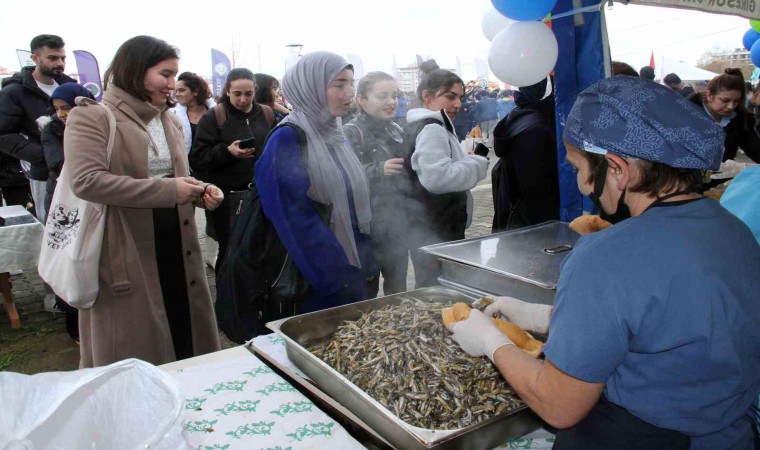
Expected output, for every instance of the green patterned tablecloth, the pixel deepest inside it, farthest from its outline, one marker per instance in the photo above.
(240, 403)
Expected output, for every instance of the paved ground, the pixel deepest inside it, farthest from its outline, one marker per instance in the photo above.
(42, 343)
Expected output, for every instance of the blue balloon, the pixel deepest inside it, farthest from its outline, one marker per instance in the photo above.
(754, 53)
(524, 9)
(749, 38)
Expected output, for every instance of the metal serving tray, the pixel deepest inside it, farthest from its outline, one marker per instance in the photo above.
(307, 330)
(522, 263)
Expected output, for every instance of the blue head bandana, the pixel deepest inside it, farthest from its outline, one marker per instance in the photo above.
(633, 117)
(68, 92)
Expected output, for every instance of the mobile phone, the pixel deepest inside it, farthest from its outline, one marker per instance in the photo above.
(481, 150)
(247, 143)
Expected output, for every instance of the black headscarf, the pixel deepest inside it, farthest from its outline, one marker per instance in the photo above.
(529, 101)
(531, 95)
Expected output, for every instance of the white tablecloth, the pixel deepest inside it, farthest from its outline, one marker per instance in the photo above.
(19, 244)
(274, 346)
(234, 401)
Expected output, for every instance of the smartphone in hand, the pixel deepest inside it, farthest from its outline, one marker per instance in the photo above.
(481, 150)
(247, 143)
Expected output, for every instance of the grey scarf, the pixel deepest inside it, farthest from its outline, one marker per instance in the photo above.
(305, 87)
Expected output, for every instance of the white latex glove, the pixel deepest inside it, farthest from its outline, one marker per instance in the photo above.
(478, 336)
(528, 316)
(729, 169)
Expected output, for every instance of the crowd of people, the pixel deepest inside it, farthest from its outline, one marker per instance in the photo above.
(353, 190)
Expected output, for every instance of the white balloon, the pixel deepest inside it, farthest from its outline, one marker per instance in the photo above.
(493, 22)
(523, 54)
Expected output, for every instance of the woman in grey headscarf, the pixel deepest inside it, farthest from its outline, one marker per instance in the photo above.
(330, 249)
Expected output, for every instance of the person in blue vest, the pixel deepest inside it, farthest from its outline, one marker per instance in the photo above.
(654, 336)
(403, 106)
(742, 199)
(506, 103)
(486, 114)
(331, 250)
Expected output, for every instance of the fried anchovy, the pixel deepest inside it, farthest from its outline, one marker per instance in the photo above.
(403, 357)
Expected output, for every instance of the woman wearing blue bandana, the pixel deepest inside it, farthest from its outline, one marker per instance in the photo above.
(654, 337)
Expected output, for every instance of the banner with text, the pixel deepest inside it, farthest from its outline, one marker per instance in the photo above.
(25, 58)
(220, 67)
(89, 73)
(744, 8)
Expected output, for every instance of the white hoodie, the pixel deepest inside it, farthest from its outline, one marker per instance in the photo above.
(181, 112)
(441, 164)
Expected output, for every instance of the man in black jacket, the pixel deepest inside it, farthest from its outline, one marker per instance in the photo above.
(25, 97)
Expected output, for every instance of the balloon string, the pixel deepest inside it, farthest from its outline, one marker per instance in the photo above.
(572, 12)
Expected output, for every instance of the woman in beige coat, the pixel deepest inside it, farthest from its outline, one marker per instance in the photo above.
(148, 307)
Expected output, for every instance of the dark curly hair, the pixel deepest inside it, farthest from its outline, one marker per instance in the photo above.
(264, 85)
(197, 86)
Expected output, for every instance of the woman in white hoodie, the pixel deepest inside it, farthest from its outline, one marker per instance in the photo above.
(193, 98)
(441, 173)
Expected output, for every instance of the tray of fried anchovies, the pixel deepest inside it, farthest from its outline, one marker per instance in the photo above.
(392, 362)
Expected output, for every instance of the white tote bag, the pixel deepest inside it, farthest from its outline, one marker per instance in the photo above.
(70, 254)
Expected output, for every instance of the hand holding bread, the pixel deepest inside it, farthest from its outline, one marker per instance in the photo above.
(528, 316)
(461, 312)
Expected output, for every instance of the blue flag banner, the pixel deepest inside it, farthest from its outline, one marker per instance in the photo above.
(220, 67)
(89, 73)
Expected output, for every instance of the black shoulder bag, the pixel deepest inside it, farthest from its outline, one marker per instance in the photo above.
(258, 281)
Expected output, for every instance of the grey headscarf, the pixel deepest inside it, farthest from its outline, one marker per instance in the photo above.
(305, 87)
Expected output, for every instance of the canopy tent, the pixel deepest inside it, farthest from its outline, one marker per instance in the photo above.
(684, 71)
(584, 59)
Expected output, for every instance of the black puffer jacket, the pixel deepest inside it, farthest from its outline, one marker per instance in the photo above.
(375, 141)
(52, 144)
(209, 157)
(22, 102)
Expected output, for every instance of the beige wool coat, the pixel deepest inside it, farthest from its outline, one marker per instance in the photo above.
(128, 319)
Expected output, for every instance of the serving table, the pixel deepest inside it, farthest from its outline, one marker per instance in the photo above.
(235, 401)
(20, 241)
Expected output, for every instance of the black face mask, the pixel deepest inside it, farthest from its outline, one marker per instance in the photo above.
(621, 212)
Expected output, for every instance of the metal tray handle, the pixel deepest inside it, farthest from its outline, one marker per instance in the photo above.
(558, 250)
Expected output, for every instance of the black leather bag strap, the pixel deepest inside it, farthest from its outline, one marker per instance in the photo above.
(301, 138)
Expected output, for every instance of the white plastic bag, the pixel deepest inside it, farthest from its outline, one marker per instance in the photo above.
(128, 405)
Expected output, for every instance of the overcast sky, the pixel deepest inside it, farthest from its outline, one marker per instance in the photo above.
(260, 31)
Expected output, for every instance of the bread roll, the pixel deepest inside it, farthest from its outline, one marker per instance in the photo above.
(589, 224)
(448, 317)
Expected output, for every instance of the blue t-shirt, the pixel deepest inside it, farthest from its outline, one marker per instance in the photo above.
(664, 308)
